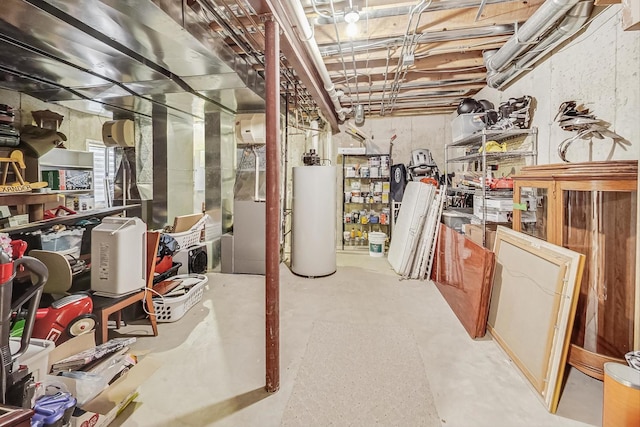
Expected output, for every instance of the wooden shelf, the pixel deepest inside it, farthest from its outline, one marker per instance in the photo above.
(33, 201)
(68, 219)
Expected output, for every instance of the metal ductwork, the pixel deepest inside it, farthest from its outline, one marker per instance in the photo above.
(535, 38)
(314, 51)
(122, 57)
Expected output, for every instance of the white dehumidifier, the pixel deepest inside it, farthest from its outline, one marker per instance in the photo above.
(118, 256)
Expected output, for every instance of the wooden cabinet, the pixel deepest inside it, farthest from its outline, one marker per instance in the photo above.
(591, 208)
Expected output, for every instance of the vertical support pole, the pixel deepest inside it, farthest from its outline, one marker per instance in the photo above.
(272, 246)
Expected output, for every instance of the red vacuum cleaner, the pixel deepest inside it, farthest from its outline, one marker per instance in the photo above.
(16, 385)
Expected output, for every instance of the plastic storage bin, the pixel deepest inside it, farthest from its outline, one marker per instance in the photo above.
(67, 241)
(36, 357)
(466, 124)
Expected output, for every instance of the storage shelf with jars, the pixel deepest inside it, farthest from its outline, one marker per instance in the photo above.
(366, 199)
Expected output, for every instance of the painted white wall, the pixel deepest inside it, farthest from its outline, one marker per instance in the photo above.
(600, 69)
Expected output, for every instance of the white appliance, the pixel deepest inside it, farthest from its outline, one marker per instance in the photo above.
(194, 259)
(313, 230)
(118, 256)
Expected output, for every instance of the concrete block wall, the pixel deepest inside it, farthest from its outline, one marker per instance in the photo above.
(76, 126)
(431, 132)
(599, 68)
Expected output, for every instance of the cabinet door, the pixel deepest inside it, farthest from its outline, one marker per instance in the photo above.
(602, 226)
(533, 209)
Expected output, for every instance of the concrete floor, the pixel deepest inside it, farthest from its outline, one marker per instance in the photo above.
(212, 360)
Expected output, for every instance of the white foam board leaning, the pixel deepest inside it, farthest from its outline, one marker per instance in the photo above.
(408, 225)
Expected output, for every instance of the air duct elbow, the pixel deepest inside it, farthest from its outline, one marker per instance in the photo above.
(543, 19)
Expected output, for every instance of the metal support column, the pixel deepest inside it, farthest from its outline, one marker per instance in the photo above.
(272, 246)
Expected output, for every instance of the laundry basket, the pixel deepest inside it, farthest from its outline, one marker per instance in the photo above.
(171, 309)
(187, 238)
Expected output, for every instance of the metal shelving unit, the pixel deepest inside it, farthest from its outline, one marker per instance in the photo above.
(521, 144)
(368, 205)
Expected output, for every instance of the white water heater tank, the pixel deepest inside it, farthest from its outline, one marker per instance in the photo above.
(313, 230)
(118, 256)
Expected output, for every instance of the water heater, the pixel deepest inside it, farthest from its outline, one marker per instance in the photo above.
(118, 256)
(313, 230)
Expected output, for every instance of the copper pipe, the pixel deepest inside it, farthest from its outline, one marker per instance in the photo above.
(272, 244)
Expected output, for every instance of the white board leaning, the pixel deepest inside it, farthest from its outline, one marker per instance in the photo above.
(533, 304)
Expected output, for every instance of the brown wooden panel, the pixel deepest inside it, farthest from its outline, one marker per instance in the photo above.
(463, 273)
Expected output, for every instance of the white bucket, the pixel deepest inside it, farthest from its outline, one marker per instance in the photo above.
(376, 243)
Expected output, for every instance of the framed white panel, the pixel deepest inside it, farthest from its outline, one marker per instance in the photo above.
(533, 303)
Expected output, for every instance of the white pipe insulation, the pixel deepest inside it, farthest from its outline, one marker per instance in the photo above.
(545, 17)
(309, 40)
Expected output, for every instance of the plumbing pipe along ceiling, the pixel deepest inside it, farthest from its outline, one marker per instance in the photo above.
(400, 57)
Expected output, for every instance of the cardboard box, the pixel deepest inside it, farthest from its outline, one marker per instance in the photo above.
(17, 220)
(104, 408)
(497, 203)
(474, 233)
(492, 214)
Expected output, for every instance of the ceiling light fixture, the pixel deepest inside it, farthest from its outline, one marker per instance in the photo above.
(351, 15)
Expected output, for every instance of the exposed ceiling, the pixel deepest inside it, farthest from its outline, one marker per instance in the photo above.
(404, 57)
(418, 57)
(400, 57)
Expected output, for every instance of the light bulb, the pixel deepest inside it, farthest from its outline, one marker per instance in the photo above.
(352, 30)
(351, 15)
